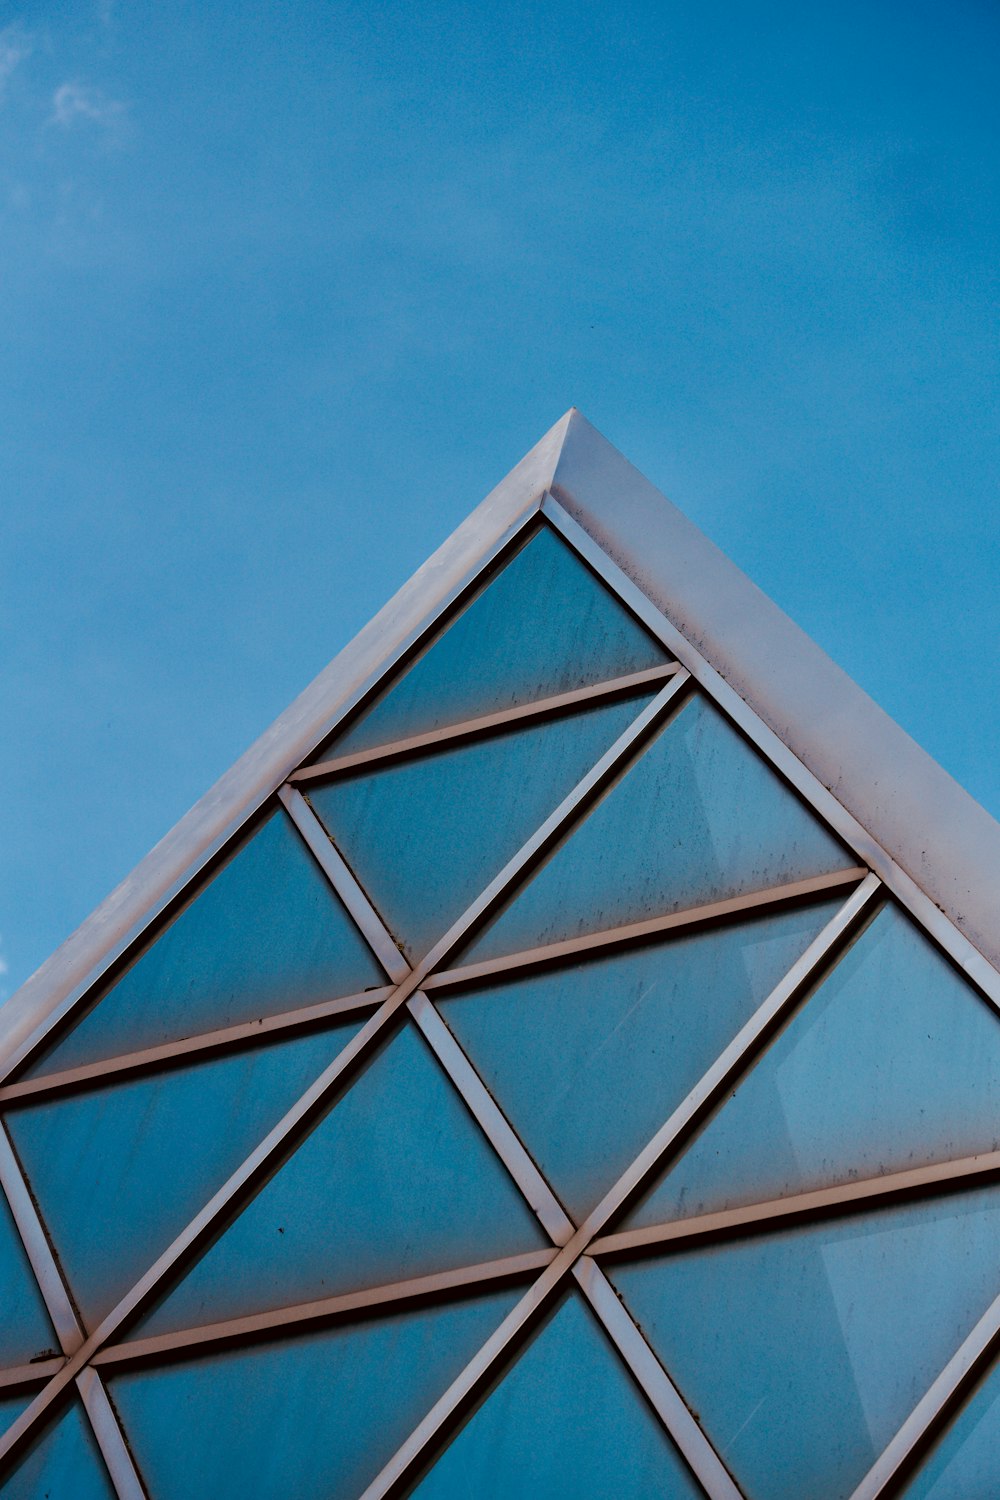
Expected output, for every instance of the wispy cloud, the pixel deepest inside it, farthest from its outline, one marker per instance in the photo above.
(15, 46)
(75, 103)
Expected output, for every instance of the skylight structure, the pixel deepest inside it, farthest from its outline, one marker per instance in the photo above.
(560, 1059)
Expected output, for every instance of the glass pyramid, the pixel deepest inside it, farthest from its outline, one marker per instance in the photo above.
(553, 1089)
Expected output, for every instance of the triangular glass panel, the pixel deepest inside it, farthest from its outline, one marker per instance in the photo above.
(265, 935)
(396, 1181)
(543, 625)
(62, 1463)
(802, 1352)
(148, 1153)
(426, 835)
(964, 1463)
(304, 1419)
(892, 1063)
(565, 1423)
(588, 1060)
(699, 817)
(25, 1330)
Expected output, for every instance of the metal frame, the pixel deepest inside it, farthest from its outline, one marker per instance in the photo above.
(407, 1000)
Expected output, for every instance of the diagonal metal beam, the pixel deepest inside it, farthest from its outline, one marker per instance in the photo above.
(933, 1410)
(271, 1150)
(50, 1281)
(654, 1382)
(110, 1438)
(539, 1196)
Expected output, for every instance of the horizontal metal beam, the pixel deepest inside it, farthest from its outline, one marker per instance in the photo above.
(631, 932)
(112, 1068)
(323, 1309)
(448, 734)
(653, 1380)
(34, 1373)
(798, 1205)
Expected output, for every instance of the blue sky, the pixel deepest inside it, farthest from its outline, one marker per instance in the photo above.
(285, 289)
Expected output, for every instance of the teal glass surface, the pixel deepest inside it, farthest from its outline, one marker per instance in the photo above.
(893, 1062)
(25, 1330)
(63, 1463)
(119, 1171)
(566, 1422)
(699, 817)
(803, 1351)
(964, 1463)
(396, 1181)
(11, 1408)
(589, 1059)
(264, 936)
(310, 1418)
(425, 836)
(543, 625)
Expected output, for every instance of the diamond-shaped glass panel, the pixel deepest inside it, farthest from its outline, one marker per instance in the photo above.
(893, 1062)
(395, 1182)
(699, 817)
(119, 1171)
(566, 1421)
(424, 836)
(265, 935)
(543, 625)
(307, 1418)
(589, 1059)
(803, 1351)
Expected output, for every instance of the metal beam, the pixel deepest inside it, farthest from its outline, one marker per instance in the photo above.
(632, 932)
(110, 1438)
(614, 687)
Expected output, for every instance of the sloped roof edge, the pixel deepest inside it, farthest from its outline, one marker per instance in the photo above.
(922, 818)
(945, 841)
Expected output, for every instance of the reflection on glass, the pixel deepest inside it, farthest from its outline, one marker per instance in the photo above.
(307, 1418)
(544, 625)
(965, 1462)
(63, 1463)
(802, 1352)
(893, 1062)
(565, 1421)
(397, 1181)
(119, 1171)
(266, 935)
(425, 836)
(25, 1330)
(589, 1059)
(699, 817)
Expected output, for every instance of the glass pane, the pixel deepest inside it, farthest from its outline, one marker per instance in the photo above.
(699, 817)
(566, 1423)
(63, 1463)
(119, 1171)
(25, 1330)
(589, 1059)
(894, 1062)
(11, 1407)
(965, 1463)
(305, 1419)
(266, 935)
(803, 1351)
(425, 836)
(545, 625)
(396, 1181)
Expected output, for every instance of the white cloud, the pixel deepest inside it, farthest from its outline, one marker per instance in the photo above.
(15, 46)
(73, 102)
